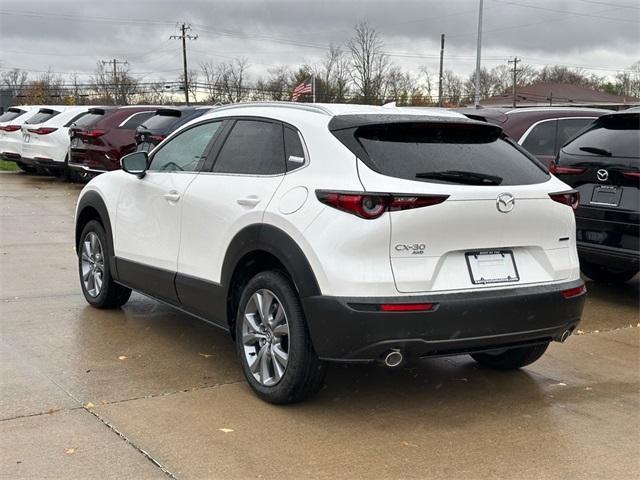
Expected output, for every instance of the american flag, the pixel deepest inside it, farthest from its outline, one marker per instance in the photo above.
(305, 87)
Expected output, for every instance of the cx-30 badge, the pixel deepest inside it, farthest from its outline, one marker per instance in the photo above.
(602, 175)
(505, 202)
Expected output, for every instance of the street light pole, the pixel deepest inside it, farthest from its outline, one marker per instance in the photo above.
(478, 55)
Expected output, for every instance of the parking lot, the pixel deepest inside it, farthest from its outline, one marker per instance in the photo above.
(149, 392)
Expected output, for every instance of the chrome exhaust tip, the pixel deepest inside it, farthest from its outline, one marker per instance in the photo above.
(564, 336)
(393, 358)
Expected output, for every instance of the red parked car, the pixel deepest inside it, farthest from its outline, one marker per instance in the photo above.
(540, 130)
(100, 138)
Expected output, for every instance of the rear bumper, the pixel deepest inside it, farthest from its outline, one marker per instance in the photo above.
(96, 160)
(10, 156)
(43, 162)
(609, 256)
(342, 329)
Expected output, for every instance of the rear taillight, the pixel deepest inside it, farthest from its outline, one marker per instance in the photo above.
(373, 205)
(574, 292)
(559, 170)
(42, 130)
(632, 174)
(10, 128)
(570, 198)
(90, 133)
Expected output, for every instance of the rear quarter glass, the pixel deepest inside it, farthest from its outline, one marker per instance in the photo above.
(403, 150)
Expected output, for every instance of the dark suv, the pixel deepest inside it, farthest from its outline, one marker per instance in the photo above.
(603, 164)
(540, 130)
(105, 134)
(162, 123)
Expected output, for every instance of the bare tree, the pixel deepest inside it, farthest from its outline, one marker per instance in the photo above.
(15, 80)
(277, 86)
(452, 87)
(628, 82)
(369, 64)
(46, 88)
(192, 81)
(114, 87)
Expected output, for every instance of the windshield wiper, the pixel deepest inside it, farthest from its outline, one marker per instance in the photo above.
(461, 176)
(596, 151)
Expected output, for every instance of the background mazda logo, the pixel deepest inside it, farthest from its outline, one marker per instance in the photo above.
(602, 175)
(505, 202)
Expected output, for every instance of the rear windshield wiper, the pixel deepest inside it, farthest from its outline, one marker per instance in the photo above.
(461, 176)
(596, 151)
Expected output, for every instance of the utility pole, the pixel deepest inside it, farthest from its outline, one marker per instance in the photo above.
(441, 70)
(478, 54)
(515, 77)
(115, 62)
(184, 28)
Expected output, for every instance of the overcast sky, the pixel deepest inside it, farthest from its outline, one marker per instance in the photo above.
(71, 36)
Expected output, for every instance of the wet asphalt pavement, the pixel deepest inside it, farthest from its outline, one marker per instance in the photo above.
(148, 392)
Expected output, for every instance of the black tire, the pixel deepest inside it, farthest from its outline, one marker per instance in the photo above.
(111, 295)
(304, 373)
(512, 358)
(604, 274)
(26, 168)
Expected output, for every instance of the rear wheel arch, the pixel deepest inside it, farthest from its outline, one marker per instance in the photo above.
(259, 248)
(92, 207)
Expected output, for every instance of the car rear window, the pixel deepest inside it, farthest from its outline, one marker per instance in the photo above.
(11, 114)
(161, 122)
(612, 135)
(91, 118)
(412, 150)
(42, 116)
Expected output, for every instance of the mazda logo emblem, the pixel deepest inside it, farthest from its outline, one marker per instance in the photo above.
(602, 175)
(505, 202)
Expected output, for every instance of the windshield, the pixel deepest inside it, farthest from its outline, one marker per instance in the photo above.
(447, 153)
(160, 123)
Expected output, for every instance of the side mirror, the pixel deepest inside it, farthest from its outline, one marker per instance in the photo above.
(135, 163)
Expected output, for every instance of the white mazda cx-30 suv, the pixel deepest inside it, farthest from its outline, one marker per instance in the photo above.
(317, 233)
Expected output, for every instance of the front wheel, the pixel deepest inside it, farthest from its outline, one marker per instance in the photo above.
(273, 341)
(511, 358)
(96, 282)
(604, 274)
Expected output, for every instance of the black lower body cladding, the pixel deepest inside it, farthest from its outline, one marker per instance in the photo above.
(345, 329)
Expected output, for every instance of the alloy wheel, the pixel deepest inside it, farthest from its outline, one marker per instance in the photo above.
(265, 337)
(92, 264)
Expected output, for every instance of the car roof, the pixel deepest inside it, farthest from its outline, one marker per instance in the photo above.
(324, 112)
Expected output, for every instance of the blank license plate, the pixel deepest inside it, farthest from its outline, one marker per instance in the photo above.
(606, 195)
(495, 266)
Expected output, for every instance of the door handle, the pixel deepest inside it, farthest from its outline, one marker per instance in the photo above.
(172, 196)
(250, 201)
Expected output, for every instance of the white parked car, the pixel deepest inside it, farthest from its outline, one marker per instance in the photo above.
(318, 233)
(10, 132)
(46, 144)
(12, 136)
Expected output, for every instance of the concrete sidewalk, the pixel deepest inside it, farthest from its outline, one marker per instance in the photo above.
(148, 392)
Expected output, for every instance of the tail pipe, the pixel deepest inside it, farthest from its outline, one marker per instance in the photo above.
(393, 358)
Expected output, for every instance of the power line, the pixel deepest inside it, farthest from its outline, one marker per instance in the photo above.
(626, 20)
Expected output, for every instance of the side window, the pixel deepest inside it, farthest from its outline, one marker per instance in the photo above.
(568, 128)
(184, 152)
(294, 151)
(253, 147)
(541, 140)
(136, 119)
